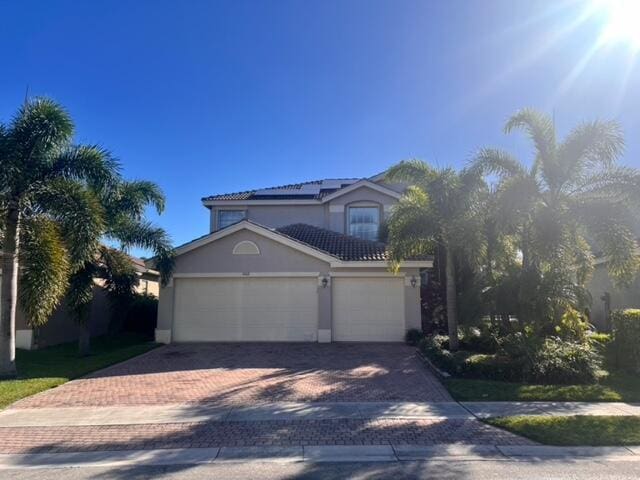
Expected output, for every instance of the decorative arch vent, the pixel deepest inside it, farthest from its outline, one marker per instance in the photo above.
(246, 247)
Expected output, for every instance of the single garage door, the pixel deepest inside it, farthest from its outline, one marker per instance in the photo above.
(245, 309)
(368, 309)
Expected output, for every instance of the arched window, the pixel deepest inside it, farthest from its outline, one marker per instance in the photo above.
(246, 247)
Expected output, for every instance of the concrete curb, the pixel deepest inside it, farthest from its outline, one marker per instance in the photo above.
(315, 454)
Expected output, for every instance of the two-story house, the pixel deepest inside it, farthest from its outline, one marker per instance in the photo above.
(293, 263)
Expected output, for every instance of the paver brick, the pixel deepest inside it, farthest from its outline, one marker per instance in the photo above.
(242, 374)
(254, 433)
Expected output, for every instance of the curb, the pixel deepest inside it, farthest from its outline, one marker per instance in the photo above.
(441, 374)
(314, 454)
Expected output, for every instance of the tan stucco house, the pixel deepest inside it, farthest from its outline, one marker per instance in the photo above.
(606, 296)
(293, 263)
(61, 327)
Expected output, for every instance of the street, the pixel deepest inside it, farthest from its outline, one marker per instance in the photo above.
(482, 470)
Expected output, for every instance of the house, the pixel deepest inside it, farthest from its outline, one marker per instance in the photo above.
(61, 327)
(606, 296)
(297, 262)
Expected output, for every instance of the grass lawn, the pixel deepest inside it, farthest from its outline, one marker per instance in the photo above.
(49, 367)
(579, 430)
(618, 387)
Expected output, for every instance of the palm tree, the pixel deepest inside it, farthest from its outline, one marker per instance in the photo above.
(573, 200)
(50, 220)
(434, 213)
(124, 206)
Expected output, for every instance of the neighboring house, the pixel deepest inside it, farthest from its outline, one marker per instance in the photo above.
(293, 263)
(61, 327)
(606, 296)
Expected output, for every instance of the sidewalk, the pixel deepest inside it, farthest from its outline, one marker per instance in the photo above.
(190, 413)
(554, 409)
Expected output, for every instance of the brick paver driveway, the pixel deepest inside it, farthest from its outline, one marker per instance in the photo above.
(249, 373)
(239, 375)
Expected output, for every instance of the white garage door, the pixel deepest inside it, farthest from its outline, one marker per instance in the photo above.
(368, 309)
(245, 309)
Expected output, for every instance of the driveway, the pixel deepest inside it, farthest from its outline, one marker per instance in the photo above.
(248, 395)
(247, 373)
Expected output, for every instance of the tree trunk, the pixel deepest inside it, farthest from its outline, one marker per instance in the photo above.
(452, 308)
(9, 293)
(84, 340)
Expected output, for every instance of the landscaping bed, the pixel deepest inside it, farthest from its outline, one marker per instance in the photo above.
(52, 366)
(574, 430)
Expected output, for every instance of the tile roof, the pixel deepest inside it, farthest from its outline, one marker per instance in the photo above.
(313, 190)
(344, 247)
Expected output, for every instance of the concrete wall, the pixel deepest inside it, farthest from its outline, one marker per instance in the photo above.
(620, 297)
(61, 328)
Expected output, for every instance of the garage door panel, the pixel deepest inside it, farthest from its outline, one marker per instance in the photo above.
(368, 309)
(246, 309)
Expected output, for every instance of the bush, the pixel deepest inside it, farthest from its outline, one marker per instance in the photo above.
(141, 315)
(522, 358)
(564, 362)
(413, 336)
(626, 339)
(479, 339)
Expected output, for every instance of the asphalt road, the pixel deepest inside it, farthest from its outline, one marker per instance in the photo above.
(482, 470)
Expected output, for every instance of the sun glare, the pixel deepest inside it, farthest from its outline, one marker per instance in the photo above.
(621, 21)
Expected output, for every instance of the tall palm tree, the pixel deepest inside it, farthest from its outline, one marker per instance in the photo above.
(124, 206)
(50, 220)
(573, 200)
(434, 213)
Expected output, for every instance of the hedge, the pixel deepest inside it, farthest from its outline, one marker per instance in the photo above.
(626, 339)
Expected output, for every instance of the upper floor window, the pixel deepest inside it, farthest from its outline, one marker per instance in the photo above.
(364, 222)
(227, 217)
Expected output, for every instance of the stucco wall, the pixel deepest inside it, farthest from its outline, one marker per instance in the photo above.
(217, 257)
(62, 328)
(330, 215)
(274, 257)
(620, 297)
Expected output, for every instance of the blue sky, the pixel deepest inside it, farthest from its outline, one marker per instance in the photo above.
(209, 96)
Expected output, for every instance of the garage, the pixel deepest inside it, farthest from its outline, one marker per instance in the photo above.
(246, 309)
(368, 309)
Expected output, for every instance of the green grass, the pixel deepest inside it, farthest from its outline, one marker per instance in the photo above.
(618, 387)
(578, 430)
(40, 370)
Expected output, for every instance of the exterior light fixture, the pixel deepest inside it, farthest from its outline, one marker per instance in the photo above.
(325, 282)
(414, 282)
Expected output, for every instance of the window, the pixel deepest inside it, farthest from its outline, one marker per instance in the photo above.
(364, 222)
(227, 217)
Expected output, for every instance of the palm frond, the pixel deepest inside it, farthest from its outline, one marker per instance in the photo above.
(611, 226)
(491, 161)
(589, 145)
(45, 269)
(80, 294)
(137, 233)
(132, 198)
(411, 172)
(78, 212)
(90, 163)
(413, 229)
(539, 127)
(40, 128)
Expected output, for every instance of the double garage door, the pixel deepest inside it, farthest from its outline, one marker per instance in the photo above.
(286, 309)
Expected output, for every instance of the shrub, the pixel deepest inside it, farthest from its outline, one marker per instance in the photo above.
(626, 339)
(479, 339)
(565, 362)
(494, 367)
(141, 315)
(413, 336)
